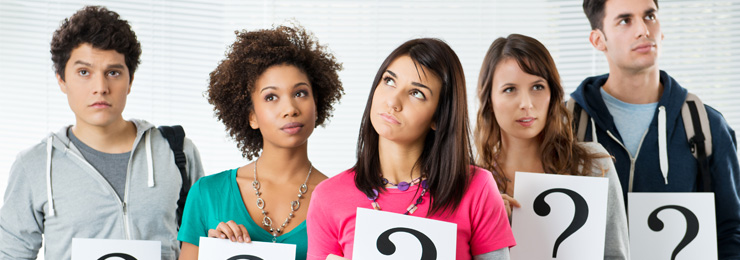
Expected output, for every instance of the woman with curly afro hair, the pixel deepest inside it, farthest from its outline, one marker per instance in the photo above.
(272, 89)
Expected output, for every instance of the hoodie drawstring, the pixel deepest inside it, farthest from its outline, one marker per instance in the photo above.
(150, 167)
(662, 143)
(48, 175)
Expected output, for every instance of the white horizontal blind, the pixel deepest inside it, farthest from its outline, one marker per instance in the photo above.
(181, 43)
(184, 40)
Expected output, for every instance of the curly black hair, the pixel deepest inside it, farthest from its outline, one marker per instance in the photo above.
(101, 28)
(232, 83)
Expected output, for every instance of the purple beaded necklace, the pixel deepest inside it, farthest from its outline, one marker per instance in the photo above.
(402, 186)
(410, 210)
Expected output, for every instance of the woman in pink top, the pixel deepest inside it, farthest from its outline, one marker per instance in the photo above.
(413, 144)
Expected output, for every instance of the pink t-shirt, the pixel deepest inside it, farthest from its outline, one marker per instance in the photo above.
(482, 224)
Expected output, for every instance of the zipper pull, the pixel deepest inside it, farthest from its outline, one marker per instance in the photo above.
(124, 208)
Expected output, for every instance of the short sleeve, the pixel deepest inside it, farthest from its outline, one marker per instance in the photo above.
(322, 230)
(193, 218)
(490, 224)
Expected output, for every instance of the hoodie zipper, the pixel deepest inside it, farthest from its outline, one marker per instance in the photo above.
(632, 160)
(127, 187)
(121, 203)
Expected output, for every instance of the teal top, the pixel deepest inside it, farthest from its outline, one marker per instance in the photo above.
(216, 198)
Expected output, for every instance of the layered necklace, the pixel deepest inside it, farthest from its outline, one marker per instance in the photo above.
(294, 205)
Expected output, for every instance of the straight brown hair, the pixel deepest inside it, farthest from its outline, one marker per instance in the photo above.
(447, 155)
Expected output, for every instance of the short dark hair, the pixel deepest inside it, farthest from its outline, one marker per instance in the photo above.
(447, 155)
(594, 10)
(101, 28)
(232, 82)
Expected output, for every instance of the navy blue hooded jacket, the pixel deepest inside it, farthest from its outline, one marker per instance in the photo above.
(644, 173)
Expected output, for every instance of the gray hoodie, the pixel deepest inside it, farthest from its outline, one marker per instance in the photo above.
(54, 191)
(616, 245)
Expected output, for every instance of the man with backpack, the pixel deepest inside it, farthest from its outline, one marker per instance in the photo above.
(635, 112)
(103, 177)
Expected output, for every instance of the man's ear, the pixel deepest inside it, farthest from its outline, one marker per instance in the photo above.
(130, 83)
(253, 121)
(597, 39)
(62, 84)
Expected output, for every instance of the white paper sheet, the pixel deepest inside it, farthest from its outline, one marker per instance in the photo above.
(675, 211)
(224, 249)
(372, 224)
(536, 235)
(101, 249)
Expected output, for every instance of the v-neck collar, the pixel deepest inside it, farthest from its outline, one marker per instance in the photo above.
(250, 222)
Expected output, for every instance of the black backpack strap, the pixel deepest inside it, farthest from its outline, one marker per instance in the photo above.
(699, 135)
(175, 136)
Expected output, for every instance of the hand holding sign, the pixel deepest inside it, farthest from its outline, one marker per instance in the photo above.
(220, 249)
(386, 235)
(562, 212)
(657, 220)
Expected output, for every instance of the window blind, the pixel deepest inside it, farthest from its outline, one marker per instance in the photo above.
(183, 41)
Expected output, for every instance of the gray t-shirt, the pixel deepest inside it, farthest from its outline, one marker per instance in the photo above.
(112, 166)
(632, 120)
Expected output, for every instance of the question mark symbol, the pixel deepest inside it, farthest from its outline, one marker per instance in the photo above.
(579, 217)
(244, 257)
(386, 247)
(121, 255)
(692, 226)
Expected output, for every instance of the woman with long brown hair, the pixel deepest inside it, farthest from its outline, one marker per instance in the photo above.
(523, 125)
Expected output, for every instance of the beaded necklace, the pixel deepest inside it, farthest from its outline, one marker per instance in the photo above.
(402, 186)
(412, 207)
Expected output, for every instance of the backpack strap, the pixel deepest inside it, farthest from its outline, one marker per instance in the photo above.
(580, 119)
(699, 135)
(175, 136)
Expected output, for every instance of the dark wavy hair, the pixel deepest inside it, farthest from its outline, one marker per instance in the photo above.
(232, 82)
(447, 155)
(101, 28)
(594, 10)
(558, 149)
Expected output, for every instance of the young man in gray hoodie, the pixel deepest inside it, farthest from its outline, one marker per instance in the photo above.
(103, 177)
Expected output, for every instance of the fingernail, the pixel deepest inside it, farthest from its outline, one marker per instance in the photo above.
(241, 239)
(223, 236)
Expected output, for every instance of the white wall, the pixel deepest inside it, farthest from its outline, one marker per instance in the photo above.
(182, 42)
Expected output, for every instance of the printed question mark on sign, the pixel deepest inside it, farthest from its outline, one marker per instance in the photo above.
(386, 247)
(579, 217)
(244, 257)
(121, 255)
(692, 226)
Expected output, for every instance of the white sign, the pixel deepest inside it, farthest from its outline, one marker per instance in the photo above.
(102, 249)
(561, 216)
(672, 225)
(386, 235)
(224, 249)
